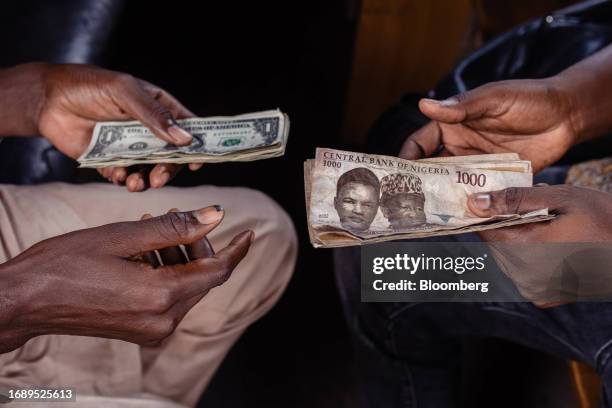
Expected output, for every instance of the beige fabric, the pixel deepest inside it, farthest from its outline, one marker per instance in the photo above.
(183, 365)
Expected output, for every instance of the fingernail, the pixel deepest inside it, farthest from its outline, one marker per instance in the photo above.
(179, 134)
(433, 101)
(209, 215)
(481, 201)
(449, 102)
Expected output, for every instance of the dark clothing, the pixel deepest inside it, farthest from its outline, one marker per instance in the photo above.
(408, 353)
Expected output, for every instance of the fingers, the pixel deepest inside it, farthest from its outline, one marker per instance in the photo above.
(150, 257)
(177, 109)
(104, 172)
(514, 200)
(137, 180)
(422, 143)
(237, 249)
(118, 175)
(201, 275)
(172, 255)
(200, 249)
(133, 98)
(479, 102)
(455, 109)
(465, 106)
(157, 110)
(172, 229)
(192, 281)
(163, 173)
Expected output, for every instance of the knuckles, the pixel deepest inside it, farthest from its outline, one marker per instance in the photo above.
(511, 200)
(159, 111)
(175, 226)
(154, 330)
(122, 81)
(462, 96)
(162, 328)
(161, 301)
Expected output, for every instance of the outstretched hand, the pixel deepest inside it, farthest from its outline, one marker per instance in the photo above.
(78, 96)
(534, 118)
(104, 281)
(580, 236)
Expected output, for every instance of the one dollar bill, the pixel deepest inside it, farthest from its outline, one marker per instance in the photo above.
(247, 137)
(357, 198)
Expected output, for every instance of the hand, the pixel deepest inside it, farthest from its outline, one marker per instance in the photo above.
(174, 255)
(582, 232)
(78, 96)
(534, 118)
(98, 282)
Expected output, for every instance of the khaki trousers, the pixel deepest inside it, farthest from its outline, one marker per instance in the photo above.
(180, 368)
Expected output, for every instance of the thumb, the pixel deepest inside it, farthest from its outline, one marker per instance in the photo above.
(171, 229)
(459, 108)
(513, 200)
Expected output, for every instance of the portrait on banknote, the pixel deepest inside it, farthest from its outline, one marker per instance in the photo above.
(356, 200)
(402, 200)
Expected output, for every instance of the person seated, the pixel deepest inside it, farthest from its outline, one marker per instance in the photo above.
(408, 353)
(85, 302)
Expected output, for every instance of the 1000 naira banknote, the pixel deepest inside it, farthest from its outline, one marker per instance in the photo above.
(245, 137)
(355, 198)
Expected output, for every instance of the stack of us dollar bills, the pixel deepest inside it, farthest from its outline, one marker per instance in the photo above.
(357, 198)
(252, 136)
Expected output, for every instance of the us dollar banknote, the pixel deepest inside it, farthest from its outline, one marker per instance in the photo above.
(246, 137)
(356, 198)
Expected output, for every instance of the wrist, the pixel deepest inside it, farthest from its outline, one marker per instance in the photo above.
(589, 100)
(16, 306)
(22, 95)
(565, 92)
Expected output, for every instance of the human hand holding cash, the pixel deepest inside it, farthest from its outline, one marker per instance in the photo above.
(356, 198)
(247, 137)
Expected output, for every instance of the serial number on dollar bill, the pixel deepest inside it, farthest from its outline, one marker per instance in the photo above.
(41, 394)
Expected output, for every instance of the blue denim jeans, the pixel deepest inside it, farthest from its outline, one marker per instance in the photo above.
(408, 352)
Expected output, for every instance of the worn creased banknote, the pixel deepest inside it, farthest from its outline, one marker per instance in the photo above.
(357, 198)
(247, 137)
